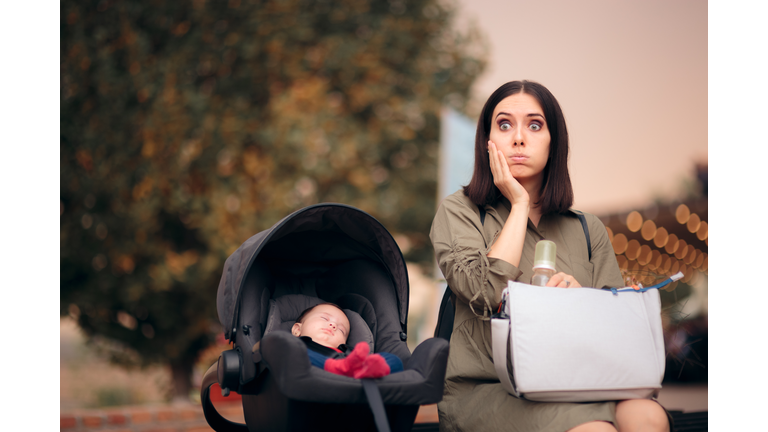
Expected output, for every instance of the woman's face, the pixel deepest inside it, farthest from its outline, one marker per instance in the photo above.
(519, 130)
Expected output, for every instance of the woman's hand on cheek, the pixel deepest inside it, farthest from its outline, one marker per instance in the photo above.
(503, 179)
(562, 280)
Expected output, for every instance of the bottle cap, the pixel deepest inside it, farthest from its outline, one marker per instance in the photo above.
(545, 255)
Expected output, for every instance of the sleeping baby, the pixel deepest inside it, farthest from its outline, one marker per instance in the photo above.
(324, 328)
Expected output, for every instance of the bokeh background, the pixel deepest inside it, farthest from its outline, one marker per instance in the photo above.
(186, 127)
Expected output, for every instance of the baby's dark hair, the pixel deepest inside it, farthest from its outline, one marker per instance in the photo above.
(300, 319)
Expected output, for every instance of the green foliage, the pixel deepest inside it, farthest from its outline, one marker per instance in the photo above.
(187, 127)
(113, 396)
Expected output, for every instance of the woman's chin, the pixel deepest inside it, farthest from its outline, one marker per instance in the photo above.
(522, 175)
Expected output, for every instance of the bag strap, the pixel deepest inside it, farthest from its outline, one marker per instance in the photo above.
(584, 226)
(499, 339)
(445, 316)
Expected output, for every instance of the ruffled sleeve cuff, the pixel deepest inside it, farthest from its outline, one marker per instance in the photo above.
(501, 271)
(499, 274)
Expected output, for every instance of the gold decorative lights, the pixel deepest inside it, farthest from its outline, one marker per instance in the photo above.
(659, 250)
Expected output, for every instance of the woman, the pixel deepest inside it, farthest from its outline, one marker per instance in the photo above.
(521, 182)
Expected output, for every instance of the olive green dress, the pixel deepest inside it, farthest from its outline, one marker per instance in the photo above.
(473, 399)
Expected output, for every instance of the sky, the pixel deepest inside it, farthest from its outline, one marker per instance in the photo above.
(630, 76)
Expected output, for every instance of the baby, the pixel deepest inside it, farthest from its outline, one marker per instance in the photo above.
(325, 329)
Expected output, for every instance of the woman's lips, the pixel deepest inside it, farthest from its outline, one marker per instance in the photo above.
(519, 158)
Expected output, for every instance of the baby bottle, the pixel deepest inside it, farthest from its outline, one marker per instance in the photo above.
(543, 262)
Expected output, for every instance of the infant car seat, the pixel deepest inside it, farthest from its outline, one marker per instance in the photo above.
(325, 252)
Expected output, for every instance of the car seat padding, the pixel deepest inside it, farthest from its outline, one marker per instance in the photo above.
(363, 307)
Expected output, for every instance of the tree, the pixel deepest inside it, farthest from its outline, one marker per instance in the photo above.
(187, 127)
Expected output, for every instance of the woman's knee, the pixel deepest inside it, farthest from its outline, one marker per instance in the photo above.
(594, 426)
(641, 414)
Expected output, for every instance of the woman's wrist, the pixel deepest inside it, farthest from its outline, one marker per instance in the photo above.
(521, 206)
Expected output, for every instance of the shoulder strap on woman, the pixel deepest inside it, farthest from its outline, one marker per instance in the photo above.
(583, 221)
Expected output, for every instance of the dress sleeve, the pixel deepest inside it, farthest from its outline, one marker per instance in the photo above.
(606, 269)
(462, 255)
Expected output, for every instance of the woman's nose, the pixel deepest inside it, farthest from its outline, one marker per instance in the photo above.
(518, 137)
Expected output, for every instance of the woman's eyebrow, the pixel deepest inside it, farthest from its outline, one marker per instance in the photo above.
(529, 115)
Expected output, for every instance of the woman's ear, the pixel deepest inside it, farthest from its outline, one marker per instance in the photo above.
(296, 329)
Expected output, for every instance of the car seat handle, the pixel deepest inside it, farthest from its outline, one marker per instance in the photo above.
(214, 419)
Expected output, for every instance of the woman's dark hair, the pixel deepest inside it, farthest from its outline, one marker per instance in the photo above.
(556, 195)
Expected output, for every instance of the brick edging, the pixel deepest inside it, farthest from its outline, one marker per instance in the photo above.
(146, 418)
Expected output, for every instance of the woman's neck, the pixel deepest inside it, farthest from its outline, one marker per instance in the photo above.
(533, 187)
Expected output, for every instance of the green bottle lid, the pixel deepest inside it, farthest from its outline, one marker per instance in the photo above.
(545, 255)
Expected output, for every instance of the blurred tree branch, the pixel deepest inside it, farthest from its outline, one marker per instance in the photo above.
(187, 127)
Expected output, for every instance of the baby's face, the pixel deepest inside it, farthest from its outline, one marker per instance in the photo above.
(325, 324)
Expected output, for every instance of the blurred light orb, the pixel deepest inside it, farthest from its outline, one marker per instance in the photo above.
(99, 262)
(86, 221)
(619, 243)
(682, 213)
(675, 267)
(645, 255)
(702, 232)
(661, 237)
(690, 257)
(648, 231)
(126, 320)
(656, 260)
(634, 221)
(666, 264)
(101, 231)
(148, 331)
(693, 223)
(699, 260)
(672, 244)
(633, 249)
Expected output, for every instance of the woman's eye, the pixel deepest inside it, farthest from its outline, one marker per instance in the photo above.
(505, 126)
(535, 127)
